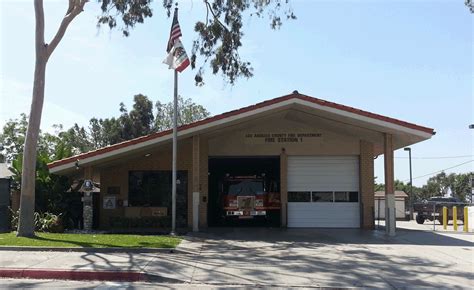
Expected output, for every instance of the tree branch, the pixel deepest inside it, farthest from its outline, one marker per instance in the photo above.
(209, 8)
(71, 6)
(39, 32)
(74, 9)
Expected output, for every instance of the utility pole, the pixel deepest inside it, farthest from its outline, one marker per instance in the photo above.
(472, 177)
(411, 184)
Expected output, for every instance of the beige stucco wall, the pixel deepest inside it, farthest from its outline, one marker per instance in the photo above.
(235, 143)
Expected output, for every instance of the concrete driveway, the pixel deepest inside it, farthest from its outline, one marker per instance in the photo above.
(330, 258)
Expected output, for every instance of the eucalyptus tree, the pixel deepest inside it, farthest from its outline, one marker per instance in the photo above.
(188, 112)
(218, 42)
(43, 52)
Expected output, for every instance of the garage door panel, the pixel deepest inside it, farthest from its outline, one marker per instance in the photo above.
(323, 215)
(323, 174)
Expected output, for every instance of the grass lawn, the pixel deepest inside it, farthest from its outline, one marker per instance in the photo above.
(90, 240)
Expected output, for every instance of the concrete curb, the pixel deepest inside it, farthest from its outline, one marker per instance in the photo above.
(84, 275)
(129, 276)
(94, 250)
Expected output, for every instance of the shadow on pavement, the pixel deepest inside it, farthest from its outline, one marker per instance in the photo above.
(333, 236)
(322, 258)
(303, 257)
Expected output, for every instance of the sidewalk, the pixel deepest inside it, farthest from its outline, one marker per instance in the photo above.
(283, 258)
(89, 265)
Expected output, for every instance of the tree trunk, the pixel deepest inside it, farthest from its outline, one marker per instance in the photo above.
(26, 223)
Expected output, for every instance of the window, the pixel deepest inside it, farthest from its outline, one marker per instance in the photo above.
(322, 196)
(153, 188)
(346, 196)
(299, 196)
(245, 187)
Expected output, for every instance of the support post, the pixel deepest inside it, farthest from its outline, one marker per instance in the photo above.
(389, 186)
(466, 219)
(196, 211)
(366, 184)
(196, 183)
(283, 187)
(455, 218)
(445, 218)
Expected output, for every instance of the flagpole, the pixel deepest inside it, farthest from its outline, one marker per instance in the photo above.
(175, 141)
(178, 60)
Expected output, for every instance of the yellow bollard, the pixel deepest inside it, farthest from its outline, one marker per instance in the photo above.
(455, 218)
(445, 218)
(466, 223)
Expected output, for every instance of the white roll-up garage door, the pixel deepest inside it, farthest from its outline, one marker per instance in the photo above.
(323, 191)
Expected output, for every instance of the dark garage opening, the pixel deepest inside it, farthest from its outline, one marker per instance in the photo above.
(261, 172)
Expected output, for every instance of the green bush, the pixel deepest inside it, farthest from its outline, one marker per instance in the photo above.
(50, 223)
(46, 222)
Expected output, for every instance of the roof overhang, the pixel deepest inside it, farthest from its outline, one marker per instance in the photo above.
(409, 133)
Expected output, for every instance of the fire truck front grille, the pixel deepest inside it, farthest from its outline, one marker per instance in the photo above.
(246, 202)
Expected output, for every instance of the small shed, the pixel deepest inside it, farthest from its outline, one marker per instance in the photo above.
(5, 176)
(400, 197)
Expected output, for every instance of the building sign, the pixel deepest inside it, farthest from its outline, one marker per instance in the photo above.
(110, 202)
(159, 211)
(282, 138)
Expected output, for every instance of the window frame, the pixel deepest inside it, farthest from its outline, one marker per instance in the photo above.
(311, 199)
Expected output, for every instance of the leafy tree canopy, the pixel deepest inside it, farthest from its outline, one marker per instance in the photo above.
(142, 119)
(442, 184)
(219, 36)
(188, 112)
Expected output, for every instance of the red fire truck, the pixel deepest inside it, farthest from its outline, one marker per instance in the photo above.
(249, 197)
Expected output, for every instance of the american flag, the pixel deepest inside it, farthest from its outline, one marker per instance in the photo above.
(175, 32)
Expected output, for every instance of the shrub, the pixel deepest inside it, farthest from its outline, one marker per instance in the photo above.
(46, 222)
(49, 222)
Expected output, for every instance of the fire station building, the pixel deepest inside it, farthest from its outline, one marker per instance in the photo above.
(293, 161)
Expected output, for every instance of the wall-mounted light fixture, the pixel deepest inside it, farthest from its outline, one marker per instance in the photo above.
(77, 164)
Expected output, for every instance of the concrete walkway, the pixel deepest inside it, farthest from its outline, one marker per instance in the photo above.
(297, 258)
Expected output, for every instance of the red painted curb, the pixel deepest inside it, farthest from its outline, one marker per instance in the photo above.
(128, 276)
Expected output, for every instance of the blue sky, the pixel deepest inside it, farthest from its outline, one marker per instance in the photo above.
(410, 60)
